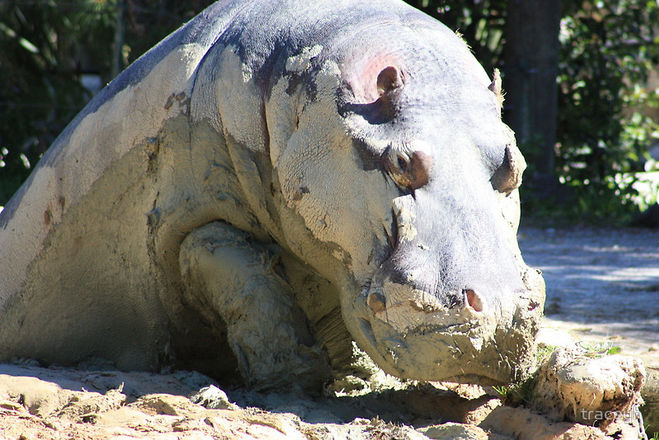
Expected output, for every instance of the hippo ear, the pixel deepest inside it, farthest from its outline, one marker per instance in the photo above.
(389, 79)
(508, 176)
(495, 87)
(380, 105)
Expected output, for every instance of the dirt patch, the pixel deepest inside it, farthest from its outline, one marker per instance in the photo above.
(604, 281)
(57, 403)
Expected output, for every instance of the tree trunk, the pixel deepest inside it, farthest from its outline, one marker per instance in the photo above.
(530, 67)
(119, 39)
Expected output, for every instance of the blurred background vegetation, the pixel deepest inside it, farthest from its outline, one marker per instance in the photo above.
(580, 79)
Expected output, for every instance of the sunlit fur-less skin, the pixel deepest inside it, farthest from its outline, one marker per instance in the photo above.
(269, 166)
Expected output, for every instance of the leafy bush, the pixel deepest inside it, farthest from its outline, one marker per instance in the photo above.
(607, 49)
(46, 47)
(41, 44)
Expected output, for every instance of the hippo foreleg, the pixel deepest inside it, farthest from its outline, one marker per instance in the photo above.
(232, 280)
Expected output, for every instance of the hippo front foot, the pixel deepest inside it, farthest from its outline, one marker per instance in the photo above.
(232, 281)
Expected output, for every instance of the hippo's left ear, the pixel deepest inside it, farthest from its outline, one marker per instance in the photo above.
(495, 87)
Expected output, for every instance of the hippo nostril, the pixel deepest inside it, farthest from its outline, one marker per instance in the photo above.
(473, 300)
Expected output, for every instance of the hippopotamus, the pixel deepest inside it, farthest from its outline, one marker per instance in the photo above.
(270, 185)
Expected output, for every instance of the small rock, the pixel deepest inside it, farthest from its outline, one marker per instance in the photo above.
(39, 397)
(163, 404)
(85, 407)
(212, 397)
(578, 386)
(454, 431)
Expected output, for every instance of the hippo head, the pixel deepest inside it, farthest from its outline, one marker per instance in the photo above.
(400, 166)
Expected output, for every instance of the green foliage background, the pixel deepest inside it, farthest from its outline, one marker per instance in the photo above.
(608, 48)
(45, 48)
(40, 90)
(607, 52)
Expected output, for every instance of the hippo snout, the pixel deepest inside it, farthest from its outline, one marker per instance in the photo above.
(415, 334)
(446, 303)
(408, 307)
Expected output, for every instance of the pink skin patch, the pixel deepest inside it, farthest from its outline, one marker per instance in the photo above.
(374, 77)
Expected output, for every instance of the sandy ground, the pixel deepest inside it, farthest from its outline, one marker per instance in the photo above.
(602, 284)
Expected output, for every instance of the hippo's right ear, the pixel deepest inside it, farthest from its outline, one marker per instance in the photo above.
(389, 79)
(375, 104)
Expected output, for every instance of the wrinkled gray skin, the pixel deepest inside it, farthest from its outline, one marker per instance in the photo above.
(272, 180)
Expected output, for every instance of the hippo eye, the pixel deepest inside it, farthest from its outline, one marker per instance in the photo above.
(409, 173)
(402, 163)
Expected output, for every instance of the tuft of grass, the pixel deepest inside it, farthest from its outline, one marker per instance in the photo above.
(544, 351)
(613, 350)
(599, 349)
(522, 393)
